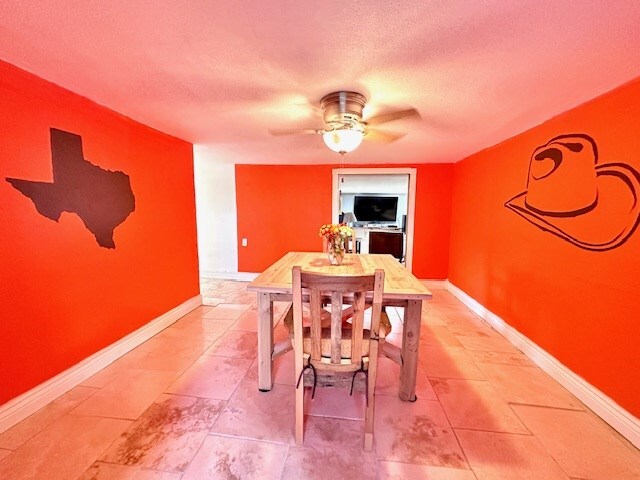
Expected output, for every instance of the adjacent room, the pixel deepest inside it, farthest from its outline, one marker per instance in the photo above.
(301, 240)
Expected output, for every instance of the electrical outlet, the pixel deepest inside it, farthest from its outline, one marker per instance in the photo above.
(244, 242)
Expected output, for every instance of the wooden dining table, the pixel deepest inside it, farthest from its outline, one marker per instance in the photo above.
(401, 289)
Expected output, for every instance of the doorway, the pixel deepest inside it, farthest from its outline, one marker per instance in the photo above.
(394, 188)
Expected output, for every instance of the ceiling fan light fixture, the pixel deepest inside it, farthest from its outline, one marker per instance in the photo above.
(343, 140)
(344, 126)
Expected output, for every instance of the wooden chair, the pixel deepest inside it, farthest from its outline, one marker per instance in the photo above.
(351, 247)
(332, 351)
(349, 243)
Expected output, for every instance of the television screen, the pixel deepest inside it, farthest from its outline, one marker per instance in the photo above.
(375, 209)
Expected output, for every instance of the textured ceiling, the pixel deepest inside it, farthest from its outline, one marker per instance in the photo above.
(221, 73)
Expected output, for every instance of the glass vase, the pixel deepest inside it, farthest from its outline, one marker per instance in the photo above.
(336, 251)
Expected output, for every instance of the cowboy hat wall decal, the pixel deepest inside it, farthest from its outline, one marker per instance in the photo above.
(592, 206)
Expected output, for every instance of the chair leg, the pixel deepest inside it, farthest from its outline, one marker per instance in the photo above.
(299, 392)
(368, 419)
(371, 388)
(368, 415)
(299, 422)
(368, 442)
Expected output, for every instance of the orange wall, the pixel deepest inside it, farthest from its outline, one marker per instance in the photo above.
(433, 220)
(281, 207)
(581, 306)
(62, 296)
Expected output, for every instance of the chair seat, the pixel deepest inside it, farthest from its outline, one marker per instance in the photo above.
(325, 343)
(385, 323)
(345, 344)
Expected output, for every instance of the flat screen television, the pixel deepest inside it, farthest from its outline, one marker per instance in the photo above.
(375, 209)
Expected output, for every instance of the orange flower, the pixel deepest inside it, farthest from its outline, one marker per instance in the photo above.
(334, 231)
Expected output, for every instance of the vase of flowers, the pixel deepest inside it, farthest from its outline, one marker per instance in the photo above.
(335, 235)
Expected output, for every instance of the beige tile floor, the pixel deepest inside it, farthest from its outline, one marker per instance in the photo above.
(185, 405)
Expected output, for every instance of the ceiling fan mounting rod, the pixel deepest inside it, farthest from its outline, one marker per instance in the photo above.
(342, 106)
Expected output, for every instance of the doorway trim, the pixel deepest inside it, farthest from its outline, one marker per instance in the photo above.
(411, 198)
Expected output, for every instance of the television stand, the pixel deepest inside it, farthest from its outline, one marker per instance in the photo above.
(381, 239)
(387, 242)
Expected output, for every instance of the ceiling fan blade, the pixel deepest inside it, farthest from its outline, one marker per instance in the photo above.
(293, 131)
(383, 137)
(391, 116)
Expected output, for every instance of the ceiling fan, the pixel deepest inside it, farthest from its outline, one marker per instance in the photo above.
(345, 129)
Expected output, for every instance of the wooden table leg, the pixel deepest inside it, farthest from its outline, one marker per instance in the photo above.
(265, 342)
(410, 344)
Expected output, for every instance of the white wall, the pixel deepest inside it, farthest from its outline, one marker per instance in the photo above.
(374, 184)
(377, 185)
(216, 214)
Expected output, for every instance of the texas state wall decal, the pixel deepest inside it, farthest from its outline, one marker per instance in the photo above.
(592, 205)
(101, 198)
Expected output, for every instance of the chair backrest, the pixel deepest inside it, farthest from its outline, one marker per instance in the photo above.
(322, 288)
(349, 243)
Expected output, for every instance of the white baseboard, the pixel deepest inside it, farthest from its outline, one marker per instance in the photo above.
(239, 276)
(605, 407)
(434, 283)
(30, 402)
